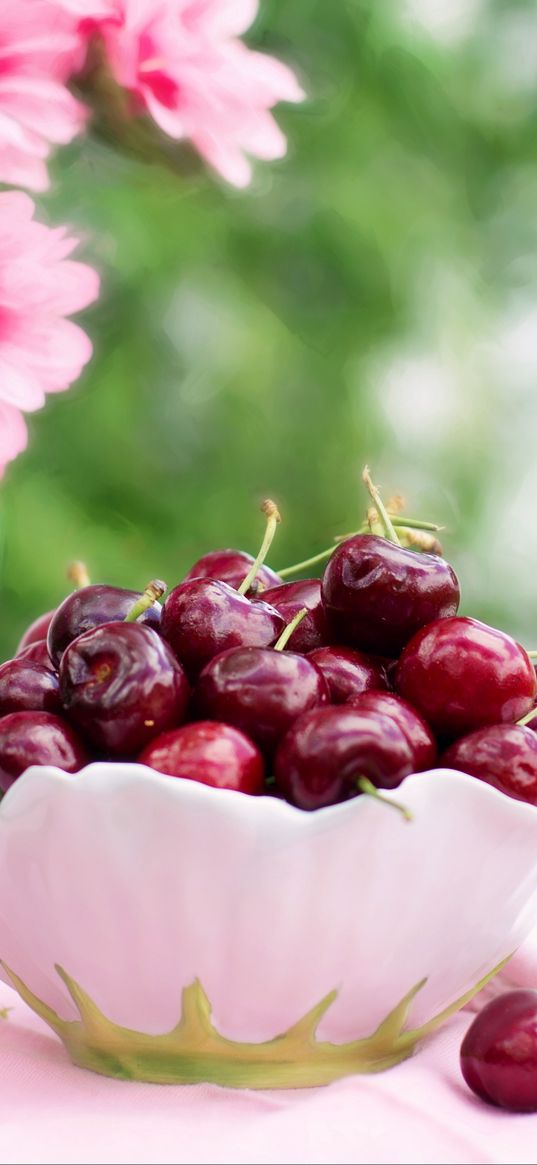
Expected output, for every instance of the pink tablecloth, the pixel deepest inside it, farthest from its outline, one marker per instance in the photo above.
(420, 1111)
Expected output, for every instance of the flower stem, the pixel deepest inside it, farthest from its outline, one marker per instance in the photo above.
(153, 591)
(272, 514)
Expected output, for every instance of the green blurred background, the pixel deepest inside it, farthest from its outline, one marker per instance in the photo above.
(372, 297)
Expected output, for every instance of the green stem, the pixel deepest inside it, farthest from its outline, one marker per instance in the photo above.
(532, 654)
(288, 631)
(529, 716)
(270, 509)
(366, 786)
(77, 573)
(387, 525)
(153, 591)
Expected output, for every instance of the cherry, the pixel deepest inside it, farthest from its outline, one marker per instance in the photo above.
(291, 597)
(36, 631)
(417, 732)
(92, 606)
(348, 672)
(462, 675)
(260, 691)
(328, 751)
(212, 753)
(28, 686)
(121, 685)
(503, 755)
(37, 738)
(231, 567)
(499, 1051)
(204, 617)
(36, 652)
(377, 595)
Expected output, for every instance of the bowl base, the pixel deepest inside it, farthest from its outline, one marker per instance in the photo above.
(195, 1052)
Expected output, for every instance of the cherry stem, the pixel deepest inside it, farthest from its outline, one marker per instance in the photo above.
(288, 631)
(77, 573)
(153, 591)
(532, 654)
(385, 520)
(529, 716)
(270, 509)
(366, 786)
(410, 523)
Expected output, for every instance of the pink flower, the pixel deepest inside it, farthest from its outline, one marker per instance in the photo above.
(40, 350)
(186, 67)
(39, 48)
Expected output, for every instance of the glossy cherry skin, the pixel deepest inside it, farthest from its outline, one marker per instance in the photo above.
(92, 606)
(322, 756)
(121, 685)
(289, 598)
(499, 1051)
(37, 630)
(211, 753)
(259, 691)
(462, 675)
(231, 567)
(417, 732)
(37, 652)
(348, 672)
(203, 617)
(377, 595)
(503, 755)
(28, 687)
(38, 738)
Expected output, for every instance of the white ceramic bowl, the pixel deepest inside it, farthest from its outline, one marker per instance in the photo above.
(131, 901)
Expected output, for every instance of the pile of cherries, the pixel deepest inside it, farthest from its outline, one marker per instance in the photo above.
(314, 690)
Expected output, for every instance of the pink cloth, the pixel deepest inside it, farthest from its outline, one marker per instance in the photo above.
(420, 1111)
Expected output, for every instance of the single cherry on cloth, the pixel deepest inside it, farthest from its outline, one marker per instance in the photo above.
(290, 598)
(377, 595)
(38, 738)
(348, 672)
(499, 1051)
(462, 675)
(90, 607)
(417, 732)
(260, 691)
(231, 567)
(121, 685)
(503, 755)
(28, 687)
(328, 751)
(209, 752)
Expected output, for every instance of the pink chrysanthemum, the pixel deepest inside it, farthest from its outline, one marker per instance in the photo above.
(183, 61)
(40, 350)
(39, 48)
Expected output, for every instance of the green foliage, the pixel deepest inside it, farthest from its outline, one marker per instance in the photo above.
(244, 340)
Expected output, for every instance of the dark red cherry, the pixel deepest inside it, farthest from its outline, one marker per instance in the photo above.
(36, 652)
(503, 755)
(37, 630)
(348, 672)
(259, 691)
(204, 617)
(38, 738)
(377, 594)
(290, 598)
(417, 732)
(121, 685)
(499, 1051)
(462, 675)
(92, 606)
(214, 754)
(231, 567)
(28, 687)
(326, 752)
